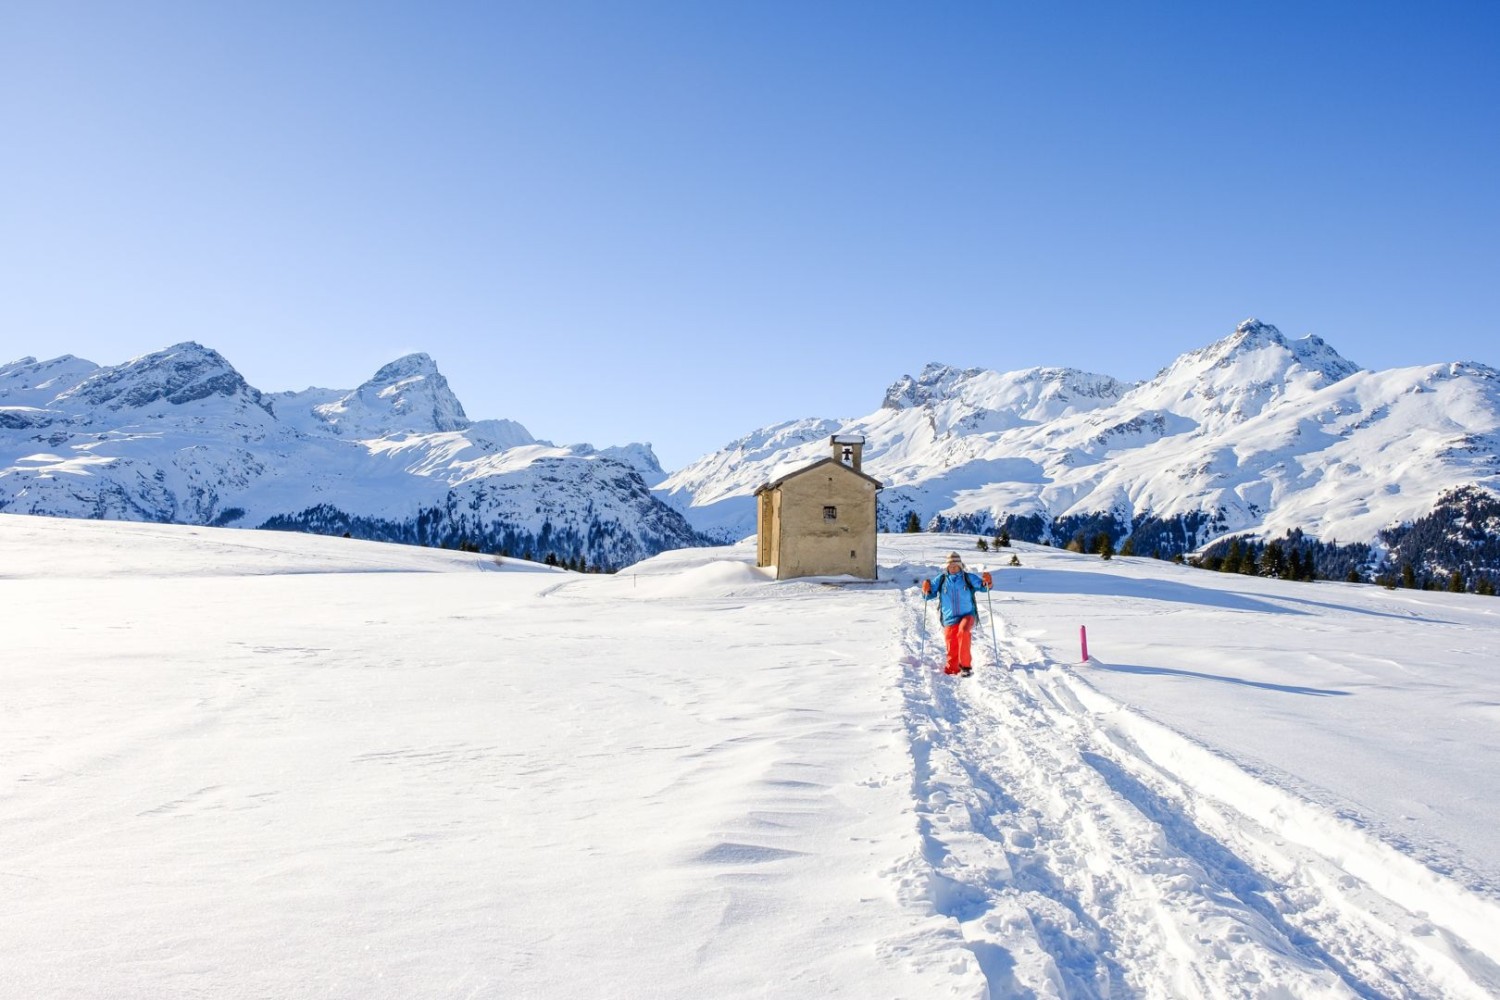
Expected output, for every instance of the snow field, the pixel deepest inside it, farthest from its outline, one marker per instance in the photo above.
(1090, 851)
(456, 783)
(244, 764)
(1375, 705)
(1089, 887)
(53, 548)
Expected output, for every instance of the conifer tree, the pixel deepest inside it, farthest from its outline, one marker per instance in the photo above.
(1309, 568)
(1273, 560)
(982, 545)
(1408, 577)
(913, 523)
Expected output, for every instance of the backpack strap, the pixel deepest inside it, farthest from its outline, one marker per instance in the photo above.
(964, 576)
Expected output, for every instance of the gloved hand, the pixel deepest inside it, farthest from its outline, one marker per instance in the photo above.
(986, 579)
(926, 587)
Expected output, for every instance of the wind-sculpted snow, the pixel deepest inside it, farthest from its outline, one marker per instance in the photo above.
(179, 436)
(1255, 433)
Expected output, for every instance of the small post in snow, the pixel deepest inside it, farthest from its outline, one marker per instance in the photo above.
(1083, 640)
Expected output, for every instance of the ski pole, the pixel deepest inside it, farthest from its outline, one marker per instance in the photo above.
(929, 606)
(989, 599)
(925, 629)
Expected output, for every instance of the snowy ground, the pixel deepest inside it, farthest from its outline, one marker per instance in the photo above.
(243, 764)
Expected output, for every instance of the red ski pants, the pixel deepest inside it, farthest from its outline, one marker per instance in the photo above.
(957, 636)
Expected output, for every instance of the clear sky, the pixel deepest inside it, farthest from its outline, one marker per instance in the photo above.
(677, 222)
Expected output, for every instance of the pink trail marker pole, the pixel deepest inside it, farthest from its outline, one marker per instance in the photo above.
(1083, 640)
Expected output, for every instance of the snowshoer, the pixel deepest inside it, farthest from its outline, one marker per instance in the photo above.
(954, 591)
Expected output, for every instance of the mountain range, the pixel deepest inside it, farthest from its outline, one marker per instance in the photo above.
(179, 436)
(1255, 436)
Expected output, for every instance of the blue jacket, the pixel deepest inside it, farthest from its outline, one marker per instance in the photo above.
(956, 592)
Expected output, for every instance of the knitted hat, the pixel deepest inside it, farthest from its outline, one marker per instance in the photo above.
(954, 557)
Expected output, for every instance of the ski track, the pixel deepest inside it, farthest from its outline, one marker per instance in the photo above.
(1085, 851)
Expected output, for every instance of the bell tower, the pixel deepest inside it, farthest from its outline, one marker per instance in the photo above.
(848, 449)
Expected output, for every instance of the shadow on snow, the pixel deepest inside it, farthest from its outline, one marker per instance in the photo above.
(1131, 668)
(1086, 583)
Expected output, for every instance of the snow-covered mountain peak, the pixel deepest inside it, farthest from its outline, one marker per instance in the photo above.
(1252, 338)
(409, 366)
(966, 400)
(936, 383)
(500, 434)
(1314, 354)
(183, 373)
(1054, 392)
(777, 437)
(407, 395)
(1239, 376)
(29, 382)
(1476, 370)
(1254, 329)
(1248, 339)
(637, 455)
(1029, 394)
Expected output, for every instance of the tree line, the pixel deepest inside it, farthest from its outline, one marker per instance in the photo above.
(1455, 547)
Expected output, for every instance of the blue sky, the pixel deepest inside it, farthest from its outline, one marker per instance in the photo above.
(677, 222)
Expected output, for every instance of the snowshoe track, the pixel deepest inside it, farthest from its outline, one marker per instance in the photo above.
(1085, 851)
